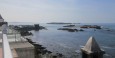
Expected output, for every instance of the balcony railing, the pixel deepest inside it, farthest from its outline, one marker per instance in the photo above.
(6, 48)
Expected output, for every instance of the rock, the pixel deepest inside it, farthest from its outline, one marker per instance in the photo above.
(69, 26)
(20, 28)
(37, 27)
(59, 54)
(58, 23)
(44, 52)
(108, 30)
(41, 47)
(68, 29)
(25, 33)
(30, 41)
(54, 56)
(49, 52)
(76, 30)
(37, 45)
(91, 26)
(71, 30)
(81, 30)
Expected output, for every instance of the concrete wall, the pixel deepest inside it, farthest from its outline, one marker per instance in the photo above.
(25, 52)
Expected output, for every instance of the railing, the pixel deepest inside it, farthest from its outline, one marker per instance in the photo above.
(6, 48)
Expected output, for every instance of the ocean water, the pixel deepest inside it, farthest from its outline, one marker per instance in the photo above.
(69, 43)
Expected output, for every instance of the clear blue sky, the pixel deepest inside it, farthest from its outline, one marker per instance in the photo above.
(82, 11)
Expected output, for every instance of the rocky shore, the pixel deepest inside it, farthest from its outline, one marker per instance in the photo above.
(74, 28)
(27, 27)
(24, 29)
(91, 26)
(40, 51)
(69, 26)
(71, 30)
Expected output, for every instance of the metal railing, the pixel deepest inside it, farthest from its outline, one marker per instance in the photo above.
(6, 48)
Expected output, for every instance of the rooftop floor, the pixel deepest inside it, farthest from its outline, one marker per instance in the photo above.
(19, 46)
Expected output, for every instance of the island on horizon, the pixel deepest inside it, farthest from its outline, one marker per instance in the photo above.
(61, 23)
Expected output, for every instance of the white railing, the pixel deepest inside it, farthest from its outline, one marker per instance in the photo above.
(6, 48)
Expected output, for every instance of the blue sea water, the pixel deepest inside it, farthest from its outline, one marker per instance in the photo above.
(69, 43)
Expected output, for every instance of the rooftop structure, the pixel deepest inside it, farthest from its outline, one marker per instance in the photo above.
(92, 49)
(91, 46)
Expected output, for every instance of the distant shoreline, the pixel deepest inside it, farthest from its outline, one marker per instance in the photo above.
(61, 23)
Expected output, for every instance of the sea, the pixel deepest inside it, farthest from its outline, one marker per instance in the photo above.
(70, 43)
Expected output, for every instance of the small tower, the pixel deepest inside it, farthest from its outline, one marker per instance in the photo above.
(92, 49)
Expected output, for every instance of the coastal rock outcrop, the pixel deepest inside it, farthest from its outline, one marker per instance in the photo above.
(41, 51)
(70, 29)
(91, 26)
(69, 26)
(26, 27)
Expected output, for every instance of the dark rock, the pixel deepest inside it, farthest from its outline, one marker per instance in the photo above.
(49, 52)
(98, 27)
(38, 52)
(25, 33)
(69, 26)
(76, 30)
(37, 45)
(37, 27)
(23, 28)
(68, 29)
(81, 30)
(58, 23)
(91, 26)
(30, 41)
(54, 56)
(108, 30)
(71, 30)
(84, 27)
(59, 54)
(44, 51)
(41, 47)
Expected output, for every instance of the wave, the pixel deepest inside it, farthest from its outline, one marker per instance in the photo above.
(107, 47)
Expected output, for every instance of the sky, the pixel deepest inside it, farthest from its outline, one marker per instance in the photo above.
(43, 11)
